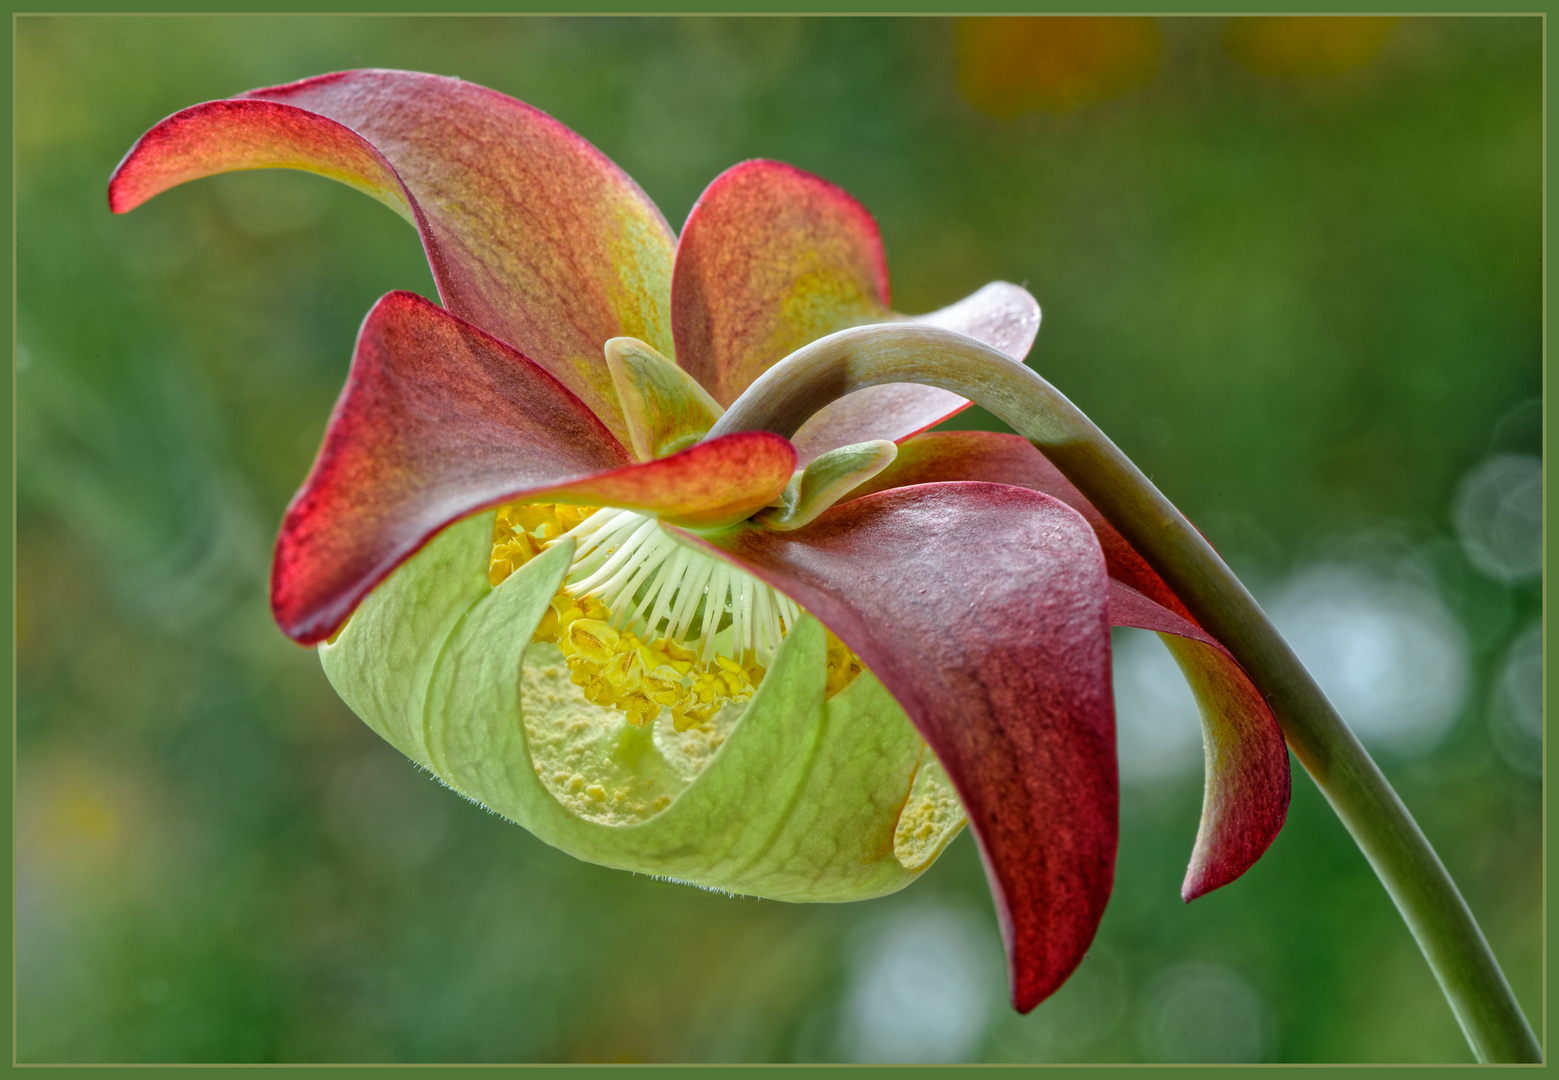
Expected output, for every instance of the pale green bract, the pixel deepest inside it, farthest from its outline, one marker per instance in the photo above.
(791, 797)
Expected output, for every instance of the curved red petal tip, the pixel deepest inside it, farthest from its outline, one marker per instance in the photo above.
(982, 609)
(771, 257)
(532, 234)
(1245, 799)
(437, 420)
(224, 136)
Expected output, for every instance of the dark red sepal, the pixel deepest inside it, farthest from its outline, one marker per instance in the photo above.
(1246, 797)
(982, 608)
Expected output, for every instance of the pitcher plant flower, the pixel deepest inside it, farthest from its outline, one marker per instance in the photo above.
(641, 541)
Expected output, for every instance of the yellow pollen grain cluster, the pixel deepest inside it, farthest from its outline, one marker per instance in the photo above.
(522, 529)
(614, 667)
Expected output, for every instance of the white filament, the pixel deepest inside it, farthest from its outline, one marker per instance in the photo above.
(620, 555)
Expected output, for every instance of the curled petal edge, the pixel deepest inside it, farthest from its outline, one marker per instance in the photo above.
(1248, 781)
(544, 243)
(675, 489)
(773, 257)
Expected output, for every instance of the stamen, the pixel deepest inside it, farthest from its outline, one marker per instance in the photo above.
(630, 578)
(714, 608)
(620, 558)
(692, 593)
(666, 589)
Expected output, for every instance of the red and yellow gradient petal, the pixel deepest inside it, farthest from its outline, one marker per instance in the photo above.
(439, 420)
(532, 233)
(982, 608)
(771, 257)
(226, 136)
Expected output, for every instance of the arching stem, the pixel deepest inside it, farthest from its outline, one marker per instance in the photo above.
(1444, 927)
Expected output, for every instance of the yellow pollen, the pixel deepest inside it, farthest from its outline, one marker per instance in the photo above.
(611, 665)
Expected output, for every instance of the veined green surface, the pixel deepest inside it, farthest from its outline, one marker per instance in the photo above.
(799, 800)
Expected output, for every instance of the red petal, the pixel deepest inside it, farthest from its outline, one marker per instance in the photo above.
(1246, 796)
(532, 233)
(1003, 316)
(982, 609)
(771, 258)
(940, 456)
(439, 420)
(710, 484)
(224, 136)
(1247, 789)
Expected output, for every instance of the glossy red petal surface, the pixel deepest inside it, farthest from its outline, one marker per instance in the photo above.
(940, 456)
(1245, 799)
(439, 420)
(533, 234)
(982, 609)
(1001, 315)
(771, 258)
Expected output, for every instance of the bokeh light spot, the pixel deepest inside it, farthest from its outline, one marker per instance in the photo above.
(1206, 1013)
(84, 829)
(1387, 653)
(1517, 712)
(1157, 725)
(1302, 46)
(923, 989)
(78, 815)
(1499, 516)
(1008, 66)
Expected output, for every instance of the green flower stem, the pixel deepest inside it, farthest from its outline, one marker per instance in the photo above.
(1444, 927)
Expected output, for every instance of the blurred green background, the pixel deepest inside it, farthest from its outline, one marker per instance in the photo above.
(1293, 268)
